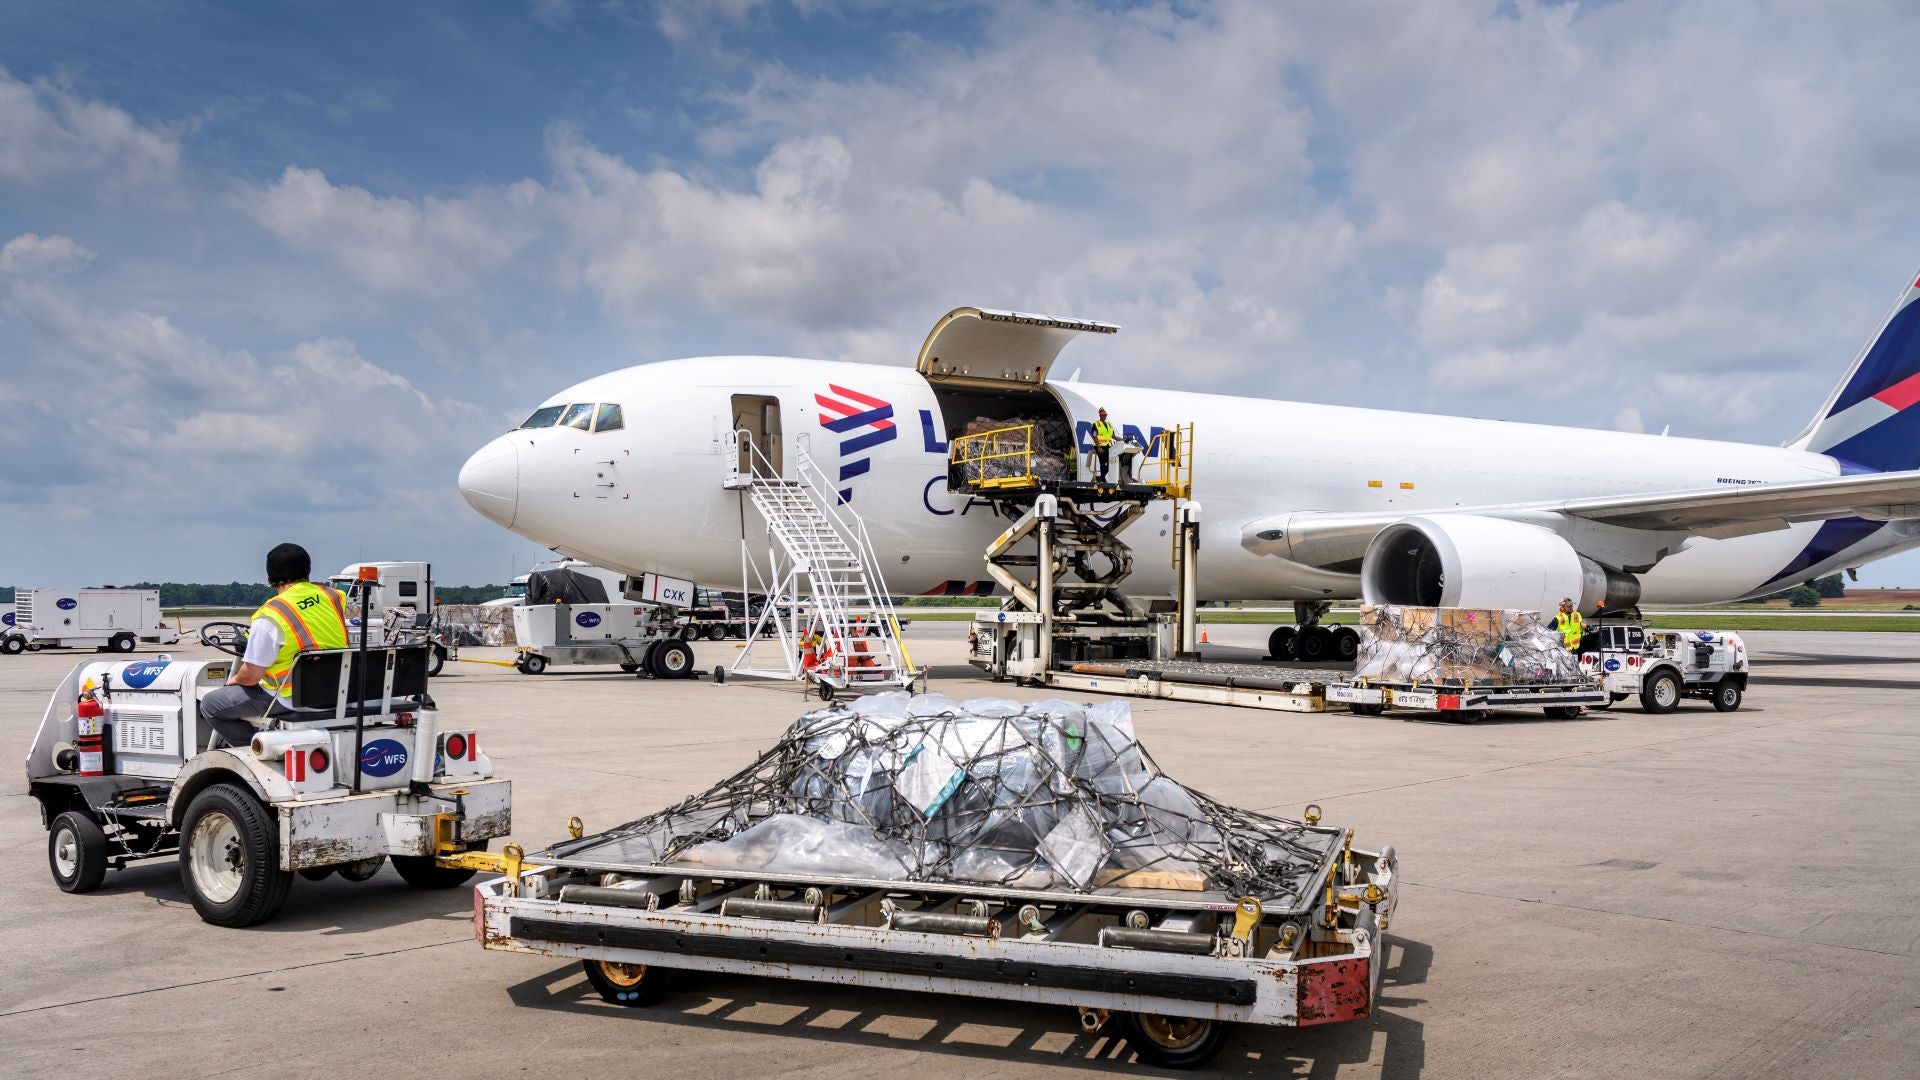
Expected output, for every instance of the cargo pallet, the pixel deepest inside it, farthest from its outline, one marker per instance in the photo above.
(1173, 967)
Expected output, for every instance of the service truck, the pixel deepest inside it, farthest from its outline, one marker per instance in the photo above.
(110, 620)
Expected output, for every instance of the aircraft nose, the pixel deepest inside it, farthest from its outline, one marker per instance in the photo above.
(490, 481)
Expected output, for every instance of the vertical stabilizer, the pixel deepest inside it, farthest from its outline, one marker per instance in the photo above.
(1871, 422)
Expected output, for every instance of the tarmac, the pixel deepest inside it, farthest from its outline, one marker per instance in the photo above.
(1623, 895)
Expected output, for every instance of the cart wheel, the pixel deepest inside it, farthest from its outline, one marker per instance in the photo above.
(13, 646)
(77, 852)
(436, 661)
(421, 872)
(1346, 644)
(1726, 695)
(825, 690)
(121, 643)
(1173, 1042)
(632, 985)
(230, 858)
(716, 632)
(671, 660)
(1661, 693)
(533, 664)
(1561, 712)
(1313, 644)
(316, 873)
(362, 869)
(1280, 643)
(629, 668)
(1366, 708)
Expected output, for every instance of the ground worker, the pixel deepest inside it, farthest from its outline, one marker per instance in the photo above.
(299, 618)
(1568, 625)
(1102, 445)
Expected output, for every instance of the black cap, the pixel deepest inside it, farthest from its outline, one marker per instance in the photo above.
(288, 563)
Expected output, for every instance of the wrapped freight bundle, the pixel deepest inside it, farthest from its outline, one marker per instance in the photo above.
(476, 624)
(1011, 448)
(1043, 795)
(1458, 646)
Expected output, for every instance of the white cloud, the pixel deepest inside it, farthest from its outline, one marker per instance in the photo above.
(48, 133)
(30, 255)
(433, 246)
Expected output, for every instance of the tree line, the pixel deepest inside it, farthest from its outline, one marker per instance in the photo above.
(241, 594)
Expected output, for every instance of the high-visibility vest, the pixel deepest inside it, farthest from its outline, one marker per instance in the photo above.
(309, 617)
(1102, 433)
(1570, 631)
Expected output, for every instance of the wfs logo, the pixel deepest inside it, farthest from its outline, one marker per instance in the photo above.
(865, 421)
(588, 619)
(141, 675)
(383, 757)
(7, 619)
(66, 603)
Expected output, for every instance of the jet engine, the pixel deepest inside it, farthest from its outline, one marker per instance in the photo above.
(1464, 560)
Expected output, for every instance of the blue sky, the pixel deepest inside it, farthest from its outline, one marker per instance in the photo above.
(265, 252)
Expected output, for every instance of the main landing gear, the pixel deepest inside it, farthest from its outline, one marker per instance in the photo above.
(1311, 642)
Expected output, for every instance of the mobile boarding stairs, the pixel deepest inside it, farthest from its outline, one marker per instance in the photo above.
(820, 577)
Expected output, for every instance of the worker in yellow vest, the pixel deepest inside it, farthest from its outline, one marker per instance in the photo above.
(1569, 626)
(1102, 445)
(300, 617)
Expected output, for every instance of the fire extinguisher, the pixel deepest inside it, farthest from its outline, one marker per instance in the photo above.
(90, 720)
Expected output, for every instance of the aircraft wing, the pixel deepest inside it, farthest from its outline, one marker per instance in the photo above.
(1617, 530)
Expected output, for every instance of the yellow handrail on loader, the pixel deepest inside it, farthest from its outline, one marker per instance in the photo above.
(1000, 459)
(1169, 462)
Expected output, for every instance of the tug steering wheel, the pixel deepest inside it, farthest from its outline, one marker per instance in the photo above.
(228, 637)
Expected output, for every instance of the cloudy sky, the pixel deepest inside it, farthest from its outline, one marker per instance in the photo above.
(273, 270)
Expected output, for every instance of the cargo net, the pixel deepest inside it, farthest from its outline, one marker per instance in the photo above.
(1046, 795)
(1457, 646)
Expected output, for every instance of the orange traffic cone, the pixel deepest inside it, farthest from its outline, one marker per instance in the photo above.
(1203, 635)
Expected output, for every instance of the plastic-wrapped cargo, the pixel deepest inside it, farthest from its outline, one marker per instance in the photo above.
(1015, 446)
(1458, 646)
(1043, 795)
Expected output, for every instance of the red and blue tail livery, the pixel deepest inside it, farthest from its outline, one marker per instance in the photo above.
(1872, 424)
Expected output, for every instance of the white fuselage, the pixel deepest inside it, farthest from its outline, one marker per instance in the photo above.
(649, 496)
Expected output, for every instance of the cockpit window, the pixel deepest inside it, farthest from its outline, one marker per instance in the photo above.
(609, 418)
(577, 416)
(545, 416)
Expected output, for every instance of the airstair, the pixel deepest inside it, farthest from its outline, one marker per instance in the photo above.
(819, 577)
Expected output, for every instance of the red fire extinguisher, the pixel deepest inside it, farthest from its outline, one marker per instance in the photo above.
(90, 720)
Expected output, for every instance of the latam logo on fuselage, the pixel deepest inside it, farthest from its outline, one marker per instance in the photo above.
(864, 422)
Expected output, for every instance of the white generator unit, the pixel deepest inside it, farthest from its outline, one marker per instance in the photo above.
(640, 639)
(357, 770)
(111, 620)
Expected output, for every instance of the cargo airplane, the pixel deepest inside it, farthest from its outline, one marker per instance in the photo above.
(1301, 502)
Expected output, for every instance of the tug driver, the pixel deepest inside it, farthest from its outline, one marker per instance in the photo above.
(1569, 626)
(301, 616)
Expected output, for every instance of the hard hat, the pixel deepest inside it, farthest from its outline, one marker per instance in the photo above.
(1103, 412)
(1567, 600)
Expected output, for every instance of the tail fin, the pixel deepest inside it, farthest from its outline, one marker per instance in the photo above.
(1872, 420)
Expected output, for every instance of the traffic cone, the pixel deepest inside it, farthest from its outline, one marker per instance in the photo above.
(1203, 635)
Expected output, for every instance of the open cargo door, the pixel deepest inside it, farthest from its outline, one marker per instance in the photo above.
(987, 349)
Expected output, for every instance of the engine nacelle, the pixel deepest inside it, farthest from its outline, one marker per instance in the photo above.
(1463, 560)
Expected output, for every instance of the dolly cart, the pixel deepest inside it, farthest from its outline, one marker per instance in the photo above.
(1170, 968)
(359, 770)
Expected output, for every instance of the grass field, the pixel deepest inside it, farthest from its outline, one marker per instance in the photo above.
(1864, 623)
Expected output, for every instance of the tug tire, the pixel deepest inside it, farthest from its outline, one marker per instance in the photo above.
(229, 838)
(77, 852)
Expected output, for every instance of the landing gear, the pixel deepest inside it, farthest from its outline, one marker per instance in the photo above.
(1309, 640)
